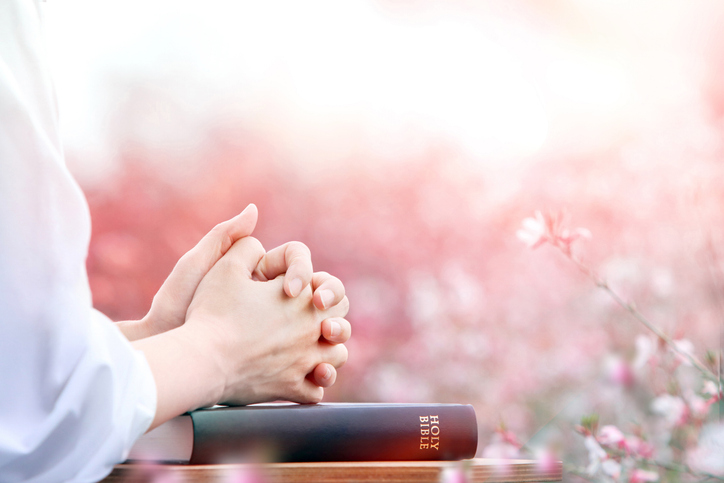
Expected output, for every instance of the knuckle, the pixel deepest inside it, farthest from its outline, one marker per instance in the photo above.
(344, 305)
(307, 363)
(297, 245)
(218, 229)
(297, 388)
(343, 354)
(297, 385)
(340, 286)
(346, 328)
(316, 396)
(255, 244)
(297, 249)
(323, 276)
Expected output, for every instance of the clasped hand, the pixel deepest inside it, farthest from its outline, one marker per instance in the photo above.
(235, 324)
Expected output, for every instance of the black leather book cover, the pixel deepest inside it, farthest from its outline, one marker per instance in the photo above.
(335, 432)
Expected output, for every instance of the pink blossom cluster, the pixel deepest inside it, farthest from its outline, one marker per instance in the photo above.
(503, 445)
(612, 437)
(601, 463)
(550, 228)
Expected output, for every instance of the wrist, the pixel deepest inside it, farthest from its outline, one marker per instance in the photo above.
(186, 371)
(196, 343)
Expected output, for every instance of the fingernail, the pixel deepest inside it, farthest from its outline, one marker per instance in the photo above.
(295, 287)
(327, 374)
(334, 328)
(246, 209)
(327, 297)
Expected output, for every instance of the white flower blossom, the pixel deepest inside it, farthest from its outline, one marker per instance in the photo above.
(708, 456)
(672, 408)
(644, 350)
(596, 455)
(612, 468)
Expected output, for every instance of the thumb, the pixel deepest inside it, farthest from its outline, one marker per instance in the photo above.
(218, 241)
(196, 263)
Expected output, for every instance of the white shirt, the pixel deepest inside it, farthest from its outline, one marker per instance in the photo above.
(74, 394)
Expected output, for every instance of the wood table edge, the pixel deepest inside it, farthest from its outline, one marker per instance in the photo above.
(478, 470)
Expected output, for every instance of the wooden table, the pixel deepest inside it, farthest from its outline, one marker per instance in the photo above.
(477, 471)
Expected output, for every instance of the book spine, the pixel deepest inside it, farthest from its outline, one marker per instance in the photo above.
(328, 433)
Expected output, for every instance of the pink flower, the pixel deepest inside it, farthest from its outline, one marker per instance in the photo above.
(619, 372)
(636, 446)
(509, 437)
(610, 436)
(504, 445)
(674, 409)
(700, 406)
(645, 348)
(711, 390)
(642, 476)
(685, 346)
(533, 232)
(500, 450)
(550, 228)
(546, 460)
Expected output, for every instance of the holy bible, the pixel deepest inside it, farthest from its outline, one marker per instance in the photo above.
(313, 432)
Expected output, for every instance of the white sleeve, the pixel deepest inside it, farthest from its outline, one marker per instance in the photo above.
(74, 394)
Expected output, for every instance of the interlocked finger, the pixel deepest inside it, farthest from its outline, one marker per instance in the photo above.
(328, 290)
(324, 375)
(293, 260)
(339, 310)
(336, 330)
(246, 253)
(335, 355)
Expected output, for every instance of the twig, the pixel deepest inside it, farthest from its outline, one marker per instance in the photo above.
(600, 282)
(718, 290)
(714, 274)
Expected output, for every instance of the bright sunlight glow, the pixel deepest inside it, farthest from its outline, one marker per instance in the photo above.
(330, 67)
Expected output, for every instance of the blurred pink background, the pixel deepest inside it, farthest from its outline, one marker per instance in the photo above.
(404, 142)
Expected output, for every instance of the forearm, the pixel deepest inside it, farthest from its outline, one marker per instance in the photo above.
(187, 373)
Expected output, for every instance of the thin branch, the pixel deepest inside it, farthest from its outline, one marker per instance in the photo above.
(714, 271)
(630, 308)
(713, 256)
